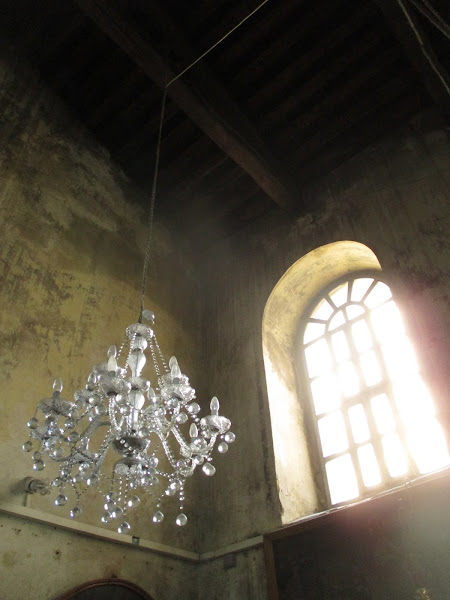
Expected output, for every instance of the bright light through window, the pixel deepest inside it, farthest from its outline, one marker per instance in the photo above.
(376, 420)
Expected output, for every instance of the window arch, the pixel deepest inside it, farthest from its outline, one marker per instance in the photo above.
(297, 464)
(373, 416)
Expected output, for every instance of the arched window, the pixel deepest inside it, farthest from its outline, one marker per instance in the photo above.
(373, 416)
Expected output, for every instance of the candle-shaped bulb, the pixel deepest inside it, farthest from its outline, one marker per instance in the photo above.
(214, 405)
(58, 385)
(112, 361)
(174, 368)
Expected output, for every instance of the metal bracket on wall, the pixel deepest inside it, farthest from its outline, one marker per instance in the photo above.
(36, 486)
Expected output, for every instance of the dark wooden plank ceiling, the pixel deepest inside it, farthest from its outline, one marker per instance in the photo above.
(307, 83)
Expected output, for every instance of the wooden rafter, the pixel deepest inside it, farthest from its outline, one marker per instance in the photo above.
(213, 113)
(420, 57)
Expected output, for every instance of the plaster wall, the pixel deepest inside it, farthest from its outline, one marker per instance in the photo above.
(70, 266)
(394, 198)
(72, 237)
(243, 580)
(43, 562)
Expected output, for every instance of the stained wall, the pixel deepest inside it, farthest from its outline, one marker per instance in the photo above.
(71, 256)
(394, 198)
(43, 562)
(72, 239)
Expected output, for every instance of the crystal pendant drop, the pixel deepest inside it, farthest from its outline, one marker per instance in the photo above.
(208, 469)
(158, 517)
(193, 408)
(229, 437)
(75, 512)
(222, 447)
(133, 502)
(92, 480)
(181, 520)
(116, 512)
(60, 500)
(38, 465)
(28, 446)
(124, 527)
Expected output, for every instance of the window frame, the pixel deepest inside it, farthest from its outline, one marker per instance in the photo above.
(318, 461)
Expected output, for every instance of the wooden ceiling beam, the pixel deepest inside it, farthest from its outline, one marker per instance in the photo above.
(113, 102)
(316, 117)
(321, 80)
(437, 84)
(357, 139)
(305, 64)
(213, 112)
(373, 102)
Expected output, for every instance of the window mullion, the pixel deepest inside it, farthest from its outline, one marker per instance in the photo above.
(400, 428)
(344, 411)
(353, 448)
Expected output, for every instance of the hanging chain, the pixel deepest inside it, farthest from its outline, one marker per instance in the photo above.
(151, 211)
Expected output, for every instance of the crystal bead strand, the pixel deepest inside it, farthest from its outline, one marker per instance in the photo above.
(161, 355)
(124, 527)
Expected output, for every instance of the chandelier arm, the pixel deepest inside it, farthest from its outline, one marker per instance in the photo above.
(168, 452)
(180, 439)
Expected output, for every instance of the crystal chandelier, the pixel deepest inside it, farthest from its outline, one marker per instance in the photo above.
(120, 413)
(123, 435)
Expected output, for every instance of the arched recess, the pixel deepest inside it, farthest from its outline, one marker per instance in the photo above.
(284, 309)
(106, 589)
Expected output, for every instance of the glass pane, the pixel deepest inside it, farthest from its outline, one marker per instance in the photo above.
(326, 394)
(362, 336)
(399, 358)
(336, 321)
(386, 321)
(379, 294)
(369, 466)
(340, 347)
(333, 436)
(354, 310)
(370, 368)
(382, 413)
(341, 478)
(318, 358)
(360, 287)
(323, 311)
(428, 446)
(413, 400)
(358, 422)
(339, 295)
(348, 379)
(313, 331)
(394, 455)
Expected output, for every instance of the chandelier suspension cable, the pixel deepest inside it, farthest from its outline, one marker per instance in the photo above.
(432, 15)
(151, 212)
(435, 67)
(224, 37)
